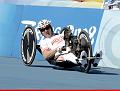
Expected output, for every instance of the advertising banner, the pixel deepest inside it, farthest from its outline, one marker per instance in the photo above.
(77, 18)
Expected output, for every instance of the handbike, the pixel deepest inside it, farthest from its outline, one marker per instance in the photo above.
(77, 43)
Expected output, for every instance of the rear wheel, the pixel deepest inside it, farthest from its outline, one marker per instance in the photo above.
(28, 45)
(85, 44)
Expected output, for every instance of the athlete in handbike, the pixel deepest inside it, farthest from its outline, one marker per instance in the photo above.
(57, 48)
(64, 49)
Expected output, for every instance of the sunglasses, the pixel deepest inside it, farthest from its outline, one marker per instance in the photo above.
(46, 28)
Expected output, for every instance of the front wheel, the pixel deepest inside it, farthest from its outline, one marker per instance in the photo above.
(85, 44)
(28, 45)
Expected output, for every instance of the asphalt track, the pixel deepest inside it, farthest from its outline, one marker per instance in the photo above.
(41, 75)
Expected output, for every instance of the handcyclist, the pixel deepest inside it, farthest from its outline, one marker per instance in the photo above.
(51, 47)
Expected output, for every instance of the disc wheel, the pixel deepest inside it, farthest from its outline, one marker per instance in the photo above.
(88, 48)
(28, 45)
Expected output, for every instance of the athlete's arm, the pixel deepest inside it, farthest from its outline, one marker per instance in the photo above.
(48, 53)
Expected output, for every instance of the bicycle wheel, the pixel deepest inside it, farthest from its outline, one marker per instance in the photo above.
(86, 46)
(28, 45)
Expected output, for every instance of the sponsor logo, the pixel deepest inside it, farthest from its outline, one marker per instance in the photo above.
(75, 31)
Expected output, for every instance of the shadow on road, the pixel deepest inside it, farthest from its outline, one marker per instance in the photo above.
(104, 72)
(42, 66)
(92, 71)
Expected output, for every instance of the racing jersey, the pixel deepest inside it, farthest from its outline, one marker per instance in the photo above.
(54, 42)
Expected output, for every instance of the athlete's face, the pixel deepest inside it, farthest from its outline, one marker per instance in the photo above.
(47, 32)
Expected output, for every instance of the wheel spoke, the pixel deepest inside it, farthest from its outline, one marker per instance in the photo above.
(28, 37)
(28, 56)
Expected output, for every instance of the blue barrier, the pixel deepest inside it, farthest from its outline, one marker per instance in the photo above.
(77, 18)
(10, 16)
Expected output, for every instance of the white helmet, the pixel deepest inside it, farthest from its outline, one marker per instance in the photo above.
(43, 23)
